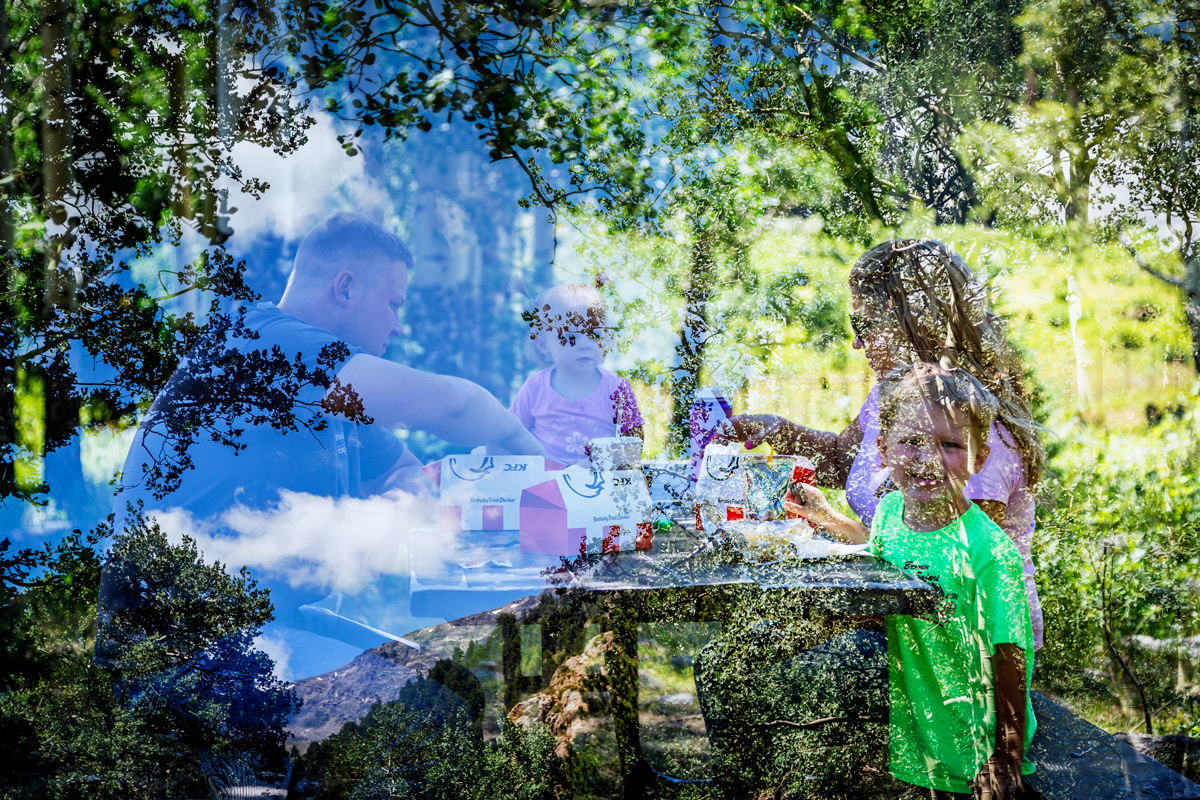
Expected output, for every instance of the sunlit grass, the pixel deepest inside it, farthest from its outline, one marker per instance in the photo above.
(1132, 335)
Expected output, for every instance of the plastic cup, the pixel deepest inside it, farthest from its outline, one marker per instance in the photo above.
(615, 453)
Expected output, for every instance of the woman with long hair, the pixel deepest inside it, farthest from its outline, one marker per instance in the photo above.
(916, 300)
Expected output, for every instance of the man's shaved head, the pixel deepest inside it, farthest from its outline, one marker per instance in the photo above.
(344, 241)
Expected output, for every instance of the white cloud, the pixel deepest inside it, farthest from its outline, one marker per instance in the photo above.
(306, 186)
(103, 452)
(320, 542)
(274, 645)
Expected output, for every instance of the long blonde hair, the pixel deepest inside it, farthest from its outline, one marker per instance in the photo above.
(941, 309)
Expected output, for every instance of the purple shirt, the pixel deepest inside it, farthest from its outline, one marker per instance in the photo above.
(1002, 479)
(564, 426)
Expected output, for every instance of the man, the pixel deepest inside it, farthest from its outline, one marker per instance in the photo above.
(292, 418)
(274, 428)
(272, 446)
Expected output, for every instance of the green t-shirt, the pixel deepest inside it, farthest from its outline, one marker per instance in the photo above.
(942, 705)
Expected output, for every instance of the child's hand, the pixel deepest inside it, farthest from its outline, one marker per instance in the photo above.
(810, 504)
(999, 778)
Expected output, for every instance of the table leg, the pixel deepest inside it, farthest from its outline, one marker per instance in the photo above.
(623, 690)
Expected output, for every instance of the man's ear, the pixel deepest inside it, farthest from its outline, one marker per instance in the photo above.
(981, 457)
(342, 283)
(881, 443)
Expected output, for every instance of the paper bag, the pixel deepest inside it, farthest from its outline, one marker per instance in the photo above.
(720, 487)
(580, 512)
(710, 411)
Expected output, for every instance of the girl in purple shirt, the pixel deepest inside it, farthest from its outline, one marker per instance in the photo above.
(573, 399)
(915, 300)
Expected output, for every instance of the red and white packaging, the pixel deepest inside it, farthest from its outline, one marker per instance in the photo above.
(580, 511)
(803, 471)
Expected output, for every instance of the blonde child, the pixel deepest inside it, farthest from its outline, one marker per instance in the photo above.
(573, 399)
(960, 720)
(912, 299)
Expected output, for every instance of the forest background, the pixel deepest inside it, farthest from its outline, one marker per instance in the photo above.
(720, 164)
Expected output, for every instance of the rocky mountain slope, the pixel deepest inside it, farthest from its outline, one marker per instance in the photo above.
(345, 694)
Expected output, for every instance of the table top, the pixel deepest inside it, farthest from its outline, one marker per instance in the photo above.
(485, 568)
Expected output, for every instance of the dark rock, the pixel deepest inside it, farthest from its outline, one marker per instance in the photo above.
(1180, 753)
(682, 662)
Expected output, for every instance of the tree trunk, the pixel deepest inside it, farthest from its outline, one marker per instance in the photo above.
(694, 331)
(56, 137)
(1191, 306)
(184, 204)
(1078, 183)
(857, 176)
(6, 155)
(1076, 167)
(1086, 367)
(1084, 362)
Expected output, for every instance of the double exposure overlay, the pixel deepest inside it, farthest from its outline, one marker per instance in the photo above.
(586, 399)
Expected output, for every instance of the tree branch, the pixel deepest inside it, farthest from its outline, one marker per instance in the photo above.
(841, 48)
(1123, 237)
(817, 722)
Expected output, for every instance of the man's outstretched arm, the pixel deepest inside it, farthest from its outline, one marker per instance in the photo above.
(456, 410)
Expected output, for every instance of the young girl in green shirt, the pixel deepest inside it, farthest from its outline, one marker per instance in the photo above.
(960, 720)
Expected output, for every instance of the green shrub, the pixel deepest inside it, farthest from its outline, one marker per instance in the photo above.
(426, 745)
(1118, 566)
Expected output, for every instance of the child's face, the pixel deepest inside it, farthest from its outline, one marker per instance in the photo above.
(571, 344)
(876, 335)
(932, 450)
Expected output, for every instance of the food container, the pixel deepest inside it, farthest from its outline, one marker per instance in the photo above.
(615, 453)
(482, 492)
(803, 471)
(580, 512)
(762, 541)
(767, 479)
(720, 491)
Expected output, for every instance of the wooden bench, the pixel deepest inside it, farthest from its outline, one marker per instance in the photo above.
(1078, 761)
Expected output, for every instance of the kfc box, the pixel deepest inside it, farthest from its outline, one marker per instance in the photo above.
(580, 512)
(482, 492)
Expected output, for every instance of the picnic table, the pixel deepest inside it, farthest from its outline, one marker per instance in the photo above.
(682, 578)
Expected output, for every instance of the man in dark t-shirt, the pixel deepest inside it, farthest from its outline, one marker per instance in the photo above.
(292, 405)
(323, 455)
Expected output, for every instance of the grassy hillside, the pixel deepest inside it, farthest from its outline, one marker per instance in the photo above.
(1131, 334)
